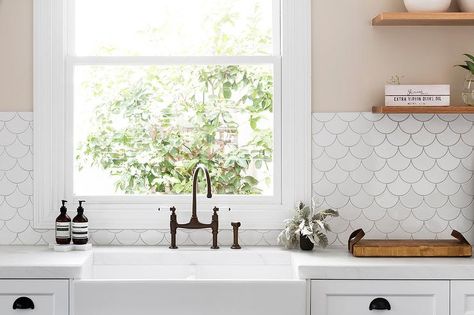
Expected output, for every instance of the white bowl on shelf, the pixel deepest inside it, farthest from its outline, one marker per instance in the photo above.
(427, 5)
(466, 5)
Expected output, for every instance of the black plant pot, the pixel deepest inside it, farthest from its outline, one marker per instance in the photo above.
(305, 243)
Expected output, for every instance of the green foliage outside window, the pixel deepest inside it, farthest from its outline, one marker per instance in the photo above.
(153, 124)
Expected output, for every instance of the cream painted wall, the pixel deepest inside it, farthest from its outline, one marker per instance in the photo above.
(16, 55)
(351, 59)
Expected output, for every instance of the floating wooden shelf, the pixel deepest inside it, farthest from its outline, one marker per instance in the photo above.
(424, 19)
(461, 109)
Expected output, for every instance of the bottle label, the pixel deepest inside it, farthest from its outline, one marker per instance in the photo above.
(80, 230)
(63, 230)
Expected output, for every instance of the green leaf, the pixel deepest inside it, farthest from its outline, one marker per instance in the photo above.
(469, 56)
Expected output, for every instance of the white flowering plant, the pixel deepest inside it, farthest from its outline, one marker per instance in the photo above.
(309, 221)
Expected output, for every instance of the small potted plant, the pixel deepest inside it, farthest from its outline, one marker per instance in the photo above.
(468, 92)
(307, 227)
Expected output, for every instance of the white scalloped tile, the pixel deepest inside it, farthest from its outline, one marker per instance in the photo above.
(7, 237)
(349, 163)
(361, 125)
(17, 124)
(399, 187)
(410, 126)
(386, 200)
(7, 137)
(398, 138)
(336, 125)
(460, 125)
(374, 187)
(468, 137)
(387, 225)
(423, 187)
(350, 188)
(362, 200)
(6, 162)
(449, 212)
(324, 163)
(386, 125)
(337, 151)
(424, 234)
(17, 175)
(386, 150)
(348, 138)
(436, 175)
(411, 150)
(399, 212)
(411, 225)
(361, 150)
(316, 125)
(436, 199)
(337, 175)
(448, 187)
(374, 212)
(361, 175)
(460, 150)
(411, 174)
(398, 162)
(373, 138)
(374, 162)
(423, 162)
(435, 125)
(386, 175)
(324, 138)
(349, 213)
(7, 212)
(29, 236)
(436, 150)
(460, 199)
(17, 149)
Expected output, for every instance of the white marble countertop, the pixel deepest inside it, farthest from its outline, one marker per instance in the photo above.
(340, 264)
(43, 262)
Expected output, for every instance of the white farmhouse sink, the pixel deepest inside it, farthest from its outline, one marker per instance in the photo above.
(190, 281)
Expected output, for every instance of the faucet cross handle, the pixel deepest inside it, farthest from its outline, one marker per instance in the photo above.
(215, 210)
(173, 210)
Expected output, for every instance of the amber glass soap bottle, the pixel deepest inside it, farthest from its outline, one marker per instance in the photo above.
(63, 226)
(80, 226)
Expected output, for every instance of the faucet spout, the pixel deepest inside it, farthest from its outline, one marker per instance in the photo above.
(198, 168)
(194, 222)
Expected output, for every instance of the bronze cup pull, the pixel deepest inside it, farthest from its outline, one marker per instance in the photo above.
(235, 226)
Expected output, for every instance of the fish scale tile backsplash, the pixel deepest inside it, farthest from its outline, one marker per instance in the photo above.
(397, 176)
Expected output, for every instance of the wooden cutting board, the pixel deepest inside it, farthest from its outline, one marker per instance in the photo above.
(457, 247)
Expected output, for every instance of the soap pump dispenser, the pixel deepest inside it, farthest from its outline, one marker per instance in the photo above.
(63, 226)
(80, 226)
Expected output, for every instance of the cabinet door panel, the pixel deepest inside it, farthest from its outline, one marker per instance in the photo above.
(355, 297)
(462, 297)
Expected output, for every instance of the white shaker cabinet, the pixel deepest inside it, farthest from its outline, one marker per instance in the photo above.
(462, 297)
(34, 297)
(369, 297)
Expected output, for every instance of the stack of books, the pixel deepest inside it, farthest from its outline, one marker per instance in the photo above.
(417, 95)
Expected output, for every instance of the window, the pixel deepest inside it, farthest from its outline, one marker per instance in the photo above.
(131, 94)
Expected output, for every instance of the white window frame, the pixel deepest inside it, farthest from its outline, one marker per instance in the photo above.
(53, 158)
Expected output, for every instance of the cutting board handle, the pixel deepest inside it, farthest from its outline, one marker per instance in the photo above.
(356, 236)
(459, 237)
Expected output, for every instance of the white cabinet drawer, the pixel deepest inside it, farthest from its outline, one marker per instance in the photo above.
(48, 297)
(354, 297)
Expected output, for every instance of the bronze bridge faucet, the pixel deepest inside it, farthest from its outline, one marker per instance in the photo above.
(194, 223)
